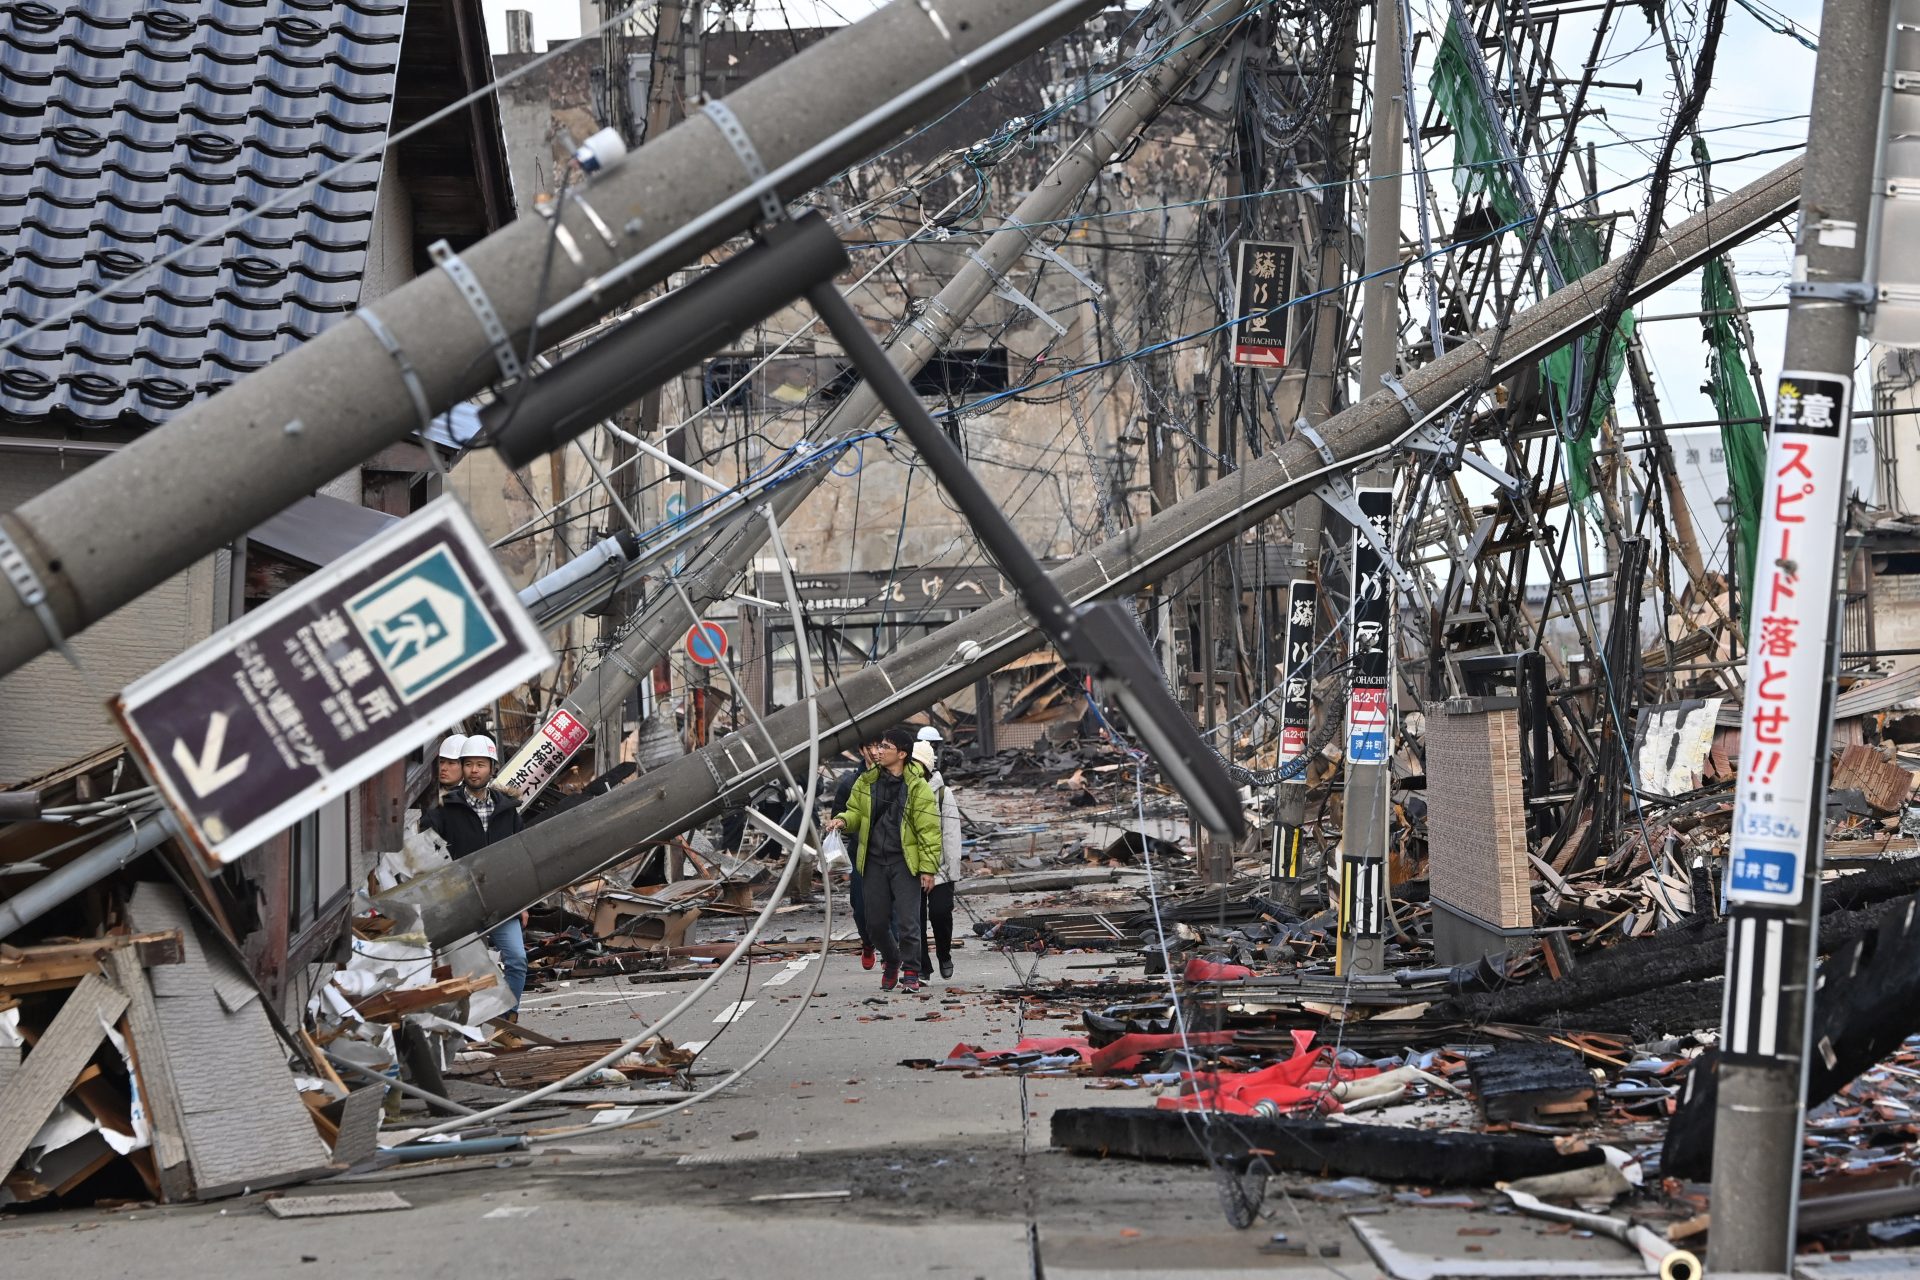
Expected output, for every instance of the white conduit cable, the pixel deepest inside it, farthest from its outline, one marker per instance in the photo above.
(803, 331)
(798, 850)
(759, 923)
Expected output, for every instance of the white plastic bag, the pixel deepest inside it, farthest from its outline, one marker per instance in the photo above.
(833, 854)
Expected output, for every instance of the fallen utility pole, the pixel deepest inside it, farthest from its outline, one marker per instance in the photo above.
(712, 571)
(1365, 895)
(472, 894)
(1779, 817)
(128, 522)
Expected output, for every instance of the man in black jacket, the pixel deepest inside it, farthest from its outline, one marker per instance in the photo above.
(470, 819)
(856, 896)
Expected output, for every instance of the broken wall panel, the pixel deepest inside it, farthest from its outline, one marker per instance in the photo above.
(245, 1124)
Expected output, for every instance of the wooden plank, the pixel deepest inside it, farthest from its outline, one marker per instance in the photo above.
(62, 1170)
(142, 1162)
(62, 964)
(528, 1033)
(328, 1129)
(154, 1071)
(49, 1071)
(320, 1062)
(404, 1000)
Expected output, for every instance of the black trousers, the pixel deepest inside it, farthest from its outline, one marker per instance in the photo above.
(892, 894)
(857, 899)
(938, 910)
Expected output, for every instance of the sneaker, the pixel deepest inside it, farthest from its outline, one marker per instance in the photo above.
(911, 982)
(946, 967)
(866, 957)
(889, 977)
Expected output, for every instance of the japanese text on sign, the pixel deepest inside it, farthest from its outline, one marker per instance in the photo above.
(1371, 616)
(544, 755)
(1263, 296)
(1296, 704)
(262, 723)
(1787, 666)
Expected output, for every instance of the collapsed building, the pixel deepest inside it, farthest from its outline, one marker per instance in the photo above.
(1427, 568)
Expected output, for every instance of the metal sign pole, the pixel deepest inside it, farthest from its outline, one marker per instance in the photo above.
(1773, 879)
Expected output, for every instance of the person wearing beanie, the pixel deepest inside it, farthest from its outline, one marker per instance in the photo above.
(939, 900)
(895, 822)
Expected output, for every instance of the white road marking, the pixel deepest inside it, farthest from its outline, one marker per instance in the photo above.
(732, 1012)
(613, 1115)
(793, 970)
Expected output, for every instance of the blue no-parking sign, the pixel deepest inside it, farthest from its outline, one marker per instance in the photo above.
(707, 644)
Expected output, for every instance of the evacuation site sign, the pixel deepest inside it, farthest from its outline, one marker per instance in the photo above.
(1263, 292)
(1776, 813)
(262, 723)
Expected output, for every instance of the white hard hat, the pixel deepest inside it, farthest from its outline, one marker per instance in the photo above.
(930, 734)
(480, 745)
(450, 747)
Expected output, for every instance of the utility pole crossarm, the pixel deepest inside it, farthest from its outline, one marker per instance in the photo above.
(123, 525)
(479, 890)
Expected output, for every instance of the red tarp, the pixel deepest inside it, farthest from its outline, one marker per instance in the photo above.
(1302, 1082)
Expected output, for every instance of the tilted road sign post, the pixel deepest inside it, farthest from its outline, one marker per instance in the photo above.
(262, 723)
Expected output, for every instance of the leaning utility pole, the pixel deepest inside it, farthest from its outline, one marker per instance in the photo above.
(712, 571)
(1779, 819)
(130, 521)
(1320, 391)
(668, 97)
(1364, 890)
(477, 891)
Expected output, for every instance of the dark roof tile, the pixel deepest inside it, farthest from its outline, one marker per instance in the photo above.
(129, 129)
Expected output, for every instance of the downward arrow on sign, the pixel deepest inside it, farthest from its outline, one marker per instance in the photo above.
(207, 775)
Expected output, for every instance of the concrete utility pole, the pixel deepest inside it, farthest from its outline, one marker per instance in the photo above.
(1320, 391)
(712, 571)
(668, 97)
(503, 878)
(1779, 819)
(1364, 891)
(130, 521)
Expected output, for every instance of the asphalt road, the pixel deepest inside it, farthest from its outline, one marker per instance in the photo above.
(917, 1173)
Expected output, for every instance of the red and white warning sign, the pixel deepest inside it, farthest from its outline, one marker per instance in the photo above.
(1780, 801)
(544, 756)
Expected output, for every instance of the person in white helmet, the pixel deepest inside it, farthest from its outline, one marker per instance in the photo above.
(447, 770)
(469, 819)
(937, 906)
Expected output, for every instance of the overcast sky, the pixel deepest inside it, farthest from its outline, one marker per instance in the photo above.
(560, 19)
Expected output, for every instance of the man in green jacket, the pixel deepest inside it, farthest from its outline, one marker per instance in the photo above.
(894, 817)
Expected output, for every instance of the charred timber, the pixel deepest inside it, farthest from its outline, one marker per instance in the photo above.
(1314, 1146)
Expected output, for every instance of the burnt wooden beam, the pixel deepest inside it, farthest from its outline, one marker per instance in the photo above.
(1313, 1146)
(1866, 1005)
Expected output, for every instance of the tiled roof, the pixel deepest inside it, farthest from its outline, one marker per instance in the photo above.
(129, 128)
